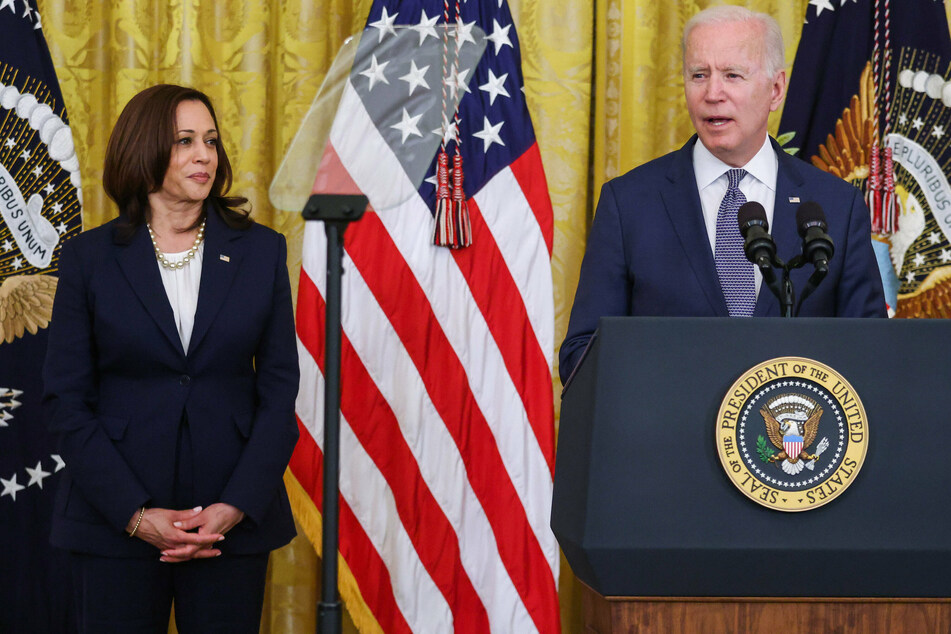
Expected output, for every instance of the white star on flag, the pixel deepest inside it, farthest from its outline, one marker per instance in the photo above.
(464, 34)
(375, 73)
(903, 119)
(17, 264)
(37, 475)
(457, 81)
(49, 189)
(37, 171)
(910, 277)
(489, 134)
(57, 207)
(59, 462)
(25, 155)
(8, 4)
(934, 237)
(11, 143)
(500, 36)
(917, 123)
(448, 131)
(945, 255)
(416, 77)
(61, 228)
(10, 487)
(494, 86)
(938, 131)
(408, 126)
(919, 259)
(426, 27)
(820, 5)
(385, 24)
(7, 245)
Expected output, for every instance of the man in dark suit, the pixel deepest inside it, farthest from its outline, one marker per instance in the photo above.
(665, 239)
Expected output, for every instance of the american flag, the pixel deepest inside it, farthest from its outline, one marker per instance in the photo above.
(447, 438)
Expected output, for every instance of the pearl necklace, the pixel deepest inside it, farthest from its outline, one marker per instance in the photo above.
(189, 255)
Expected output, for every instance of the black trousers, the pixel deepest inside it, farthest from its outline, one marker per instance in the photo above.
(222, 594)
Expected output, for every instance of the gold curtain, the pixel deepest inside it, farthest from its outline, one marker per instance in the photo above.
(602, 81)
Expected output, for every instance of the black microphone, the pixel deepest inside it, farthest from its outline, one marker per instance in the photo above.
(817, 246)
(758, 246)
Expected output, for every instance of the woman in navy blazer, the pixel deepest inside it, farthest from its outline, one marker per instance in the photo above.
(170, 382)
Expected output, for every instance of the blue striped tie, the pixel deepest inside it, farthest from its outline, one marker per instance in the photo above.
(733, 269)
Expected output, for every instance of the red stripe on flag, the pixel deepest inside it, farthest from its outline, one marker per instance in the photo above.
(378, 431)
(531, 178)
(407, 307)
(307, 464)
(502, 306)
(332, 176)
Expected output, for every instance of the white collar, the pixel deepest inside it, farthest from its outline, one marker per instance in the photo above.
(763, 166)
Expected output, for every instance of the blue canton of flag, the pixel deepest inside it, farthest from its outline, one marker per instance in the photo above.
(39, 209)
(492, 106)
(838, 84)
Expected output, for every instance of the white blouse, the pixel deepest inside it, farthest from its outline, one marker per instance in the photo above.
(181, 286)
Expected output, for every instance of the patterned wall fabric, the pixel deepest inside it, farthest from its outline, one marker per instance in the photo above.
(262, 64)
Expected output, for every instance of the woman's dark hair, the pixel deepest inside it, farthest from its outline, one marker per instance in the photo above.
(139, 151)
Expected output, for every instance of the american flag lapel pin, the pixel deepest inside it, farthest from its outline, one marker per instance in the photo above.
(792, 199)
(225, 258)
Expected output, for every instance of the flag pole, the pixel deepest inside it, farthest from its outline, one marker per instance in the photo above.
(336, 211)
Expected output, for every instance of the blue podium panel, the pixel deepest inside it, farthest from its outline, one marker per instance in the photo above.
(643, 507)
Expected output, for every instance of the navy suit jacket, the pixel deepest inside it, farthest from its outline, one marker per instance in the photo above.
(648, 252)
(118, 384)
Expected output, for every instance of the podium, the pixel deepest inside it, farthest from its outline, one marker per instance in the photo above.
(647, 517)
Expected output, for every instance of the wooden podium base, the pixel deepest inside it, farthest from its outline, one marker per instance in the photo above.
(630, 615)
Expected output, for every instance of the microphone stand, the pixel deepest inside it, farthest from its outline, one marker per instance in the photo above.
(782, 288)
(819, 274)
(336, 211)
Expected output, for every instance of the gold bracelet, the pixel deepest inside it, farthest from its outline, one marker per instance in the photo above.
(137, 522)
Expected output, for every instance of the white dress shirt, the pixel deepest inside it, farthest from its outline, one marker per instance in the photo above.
(181, 286)
(758, 184)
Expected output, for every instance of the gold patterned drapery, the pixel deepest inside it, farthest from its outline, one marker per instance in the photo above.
(602, 80)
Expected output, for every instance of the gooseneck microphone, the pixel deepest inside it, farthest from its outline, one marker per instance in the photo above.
(817, 246)
(758, 245)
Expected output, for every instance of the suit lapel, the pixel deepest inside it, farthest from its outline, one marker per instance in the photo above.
(790, 192)
(220, 262)
(138, 264)
(682, 203)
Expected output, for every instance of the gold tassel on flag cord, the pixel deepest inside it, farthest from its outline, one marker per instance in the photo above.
(452, 227)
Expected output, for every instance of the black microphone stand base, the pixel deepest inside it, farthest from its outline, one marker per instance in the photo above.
(336, 211)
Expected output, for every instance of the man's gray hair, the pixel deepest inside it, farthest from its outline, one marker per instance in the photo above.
(774, 51)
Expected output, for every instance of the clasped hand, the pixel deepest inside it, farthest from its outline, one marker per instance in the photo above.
(174, 532)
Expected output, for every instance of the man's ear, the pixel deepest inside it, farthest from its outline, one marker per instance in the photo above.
(778, 91)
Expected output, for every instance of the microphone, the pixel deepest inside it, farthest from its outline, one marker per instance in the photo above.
(817, 246)
(758, 246)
